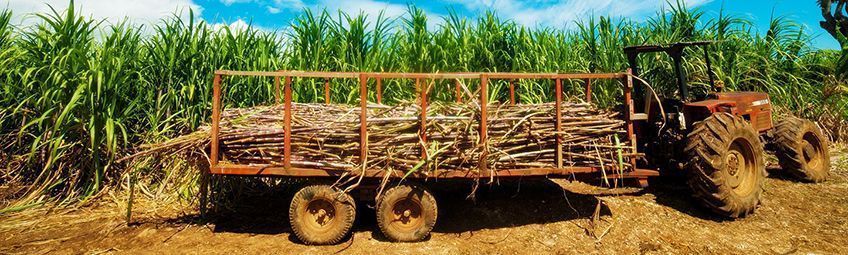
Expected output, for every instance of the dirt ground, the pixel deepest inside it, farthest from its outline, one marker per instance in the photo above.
(517, 217)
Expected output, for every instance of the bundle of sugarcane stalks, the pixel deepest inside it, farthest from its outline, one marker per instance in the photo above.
(326, 136)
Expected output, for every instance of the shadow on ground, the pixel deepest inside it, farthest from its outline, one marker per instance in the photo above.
(509, 204)
(257, 207)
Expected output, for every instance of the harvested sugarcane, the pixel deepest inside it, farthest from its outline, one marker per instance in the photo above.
(327, 137)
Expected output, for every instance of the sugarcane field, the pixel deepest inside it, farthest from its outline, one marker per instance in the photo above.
(438, 127)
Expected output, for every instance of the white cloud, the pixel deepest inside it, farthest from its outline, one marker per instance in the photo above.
(273, 6)
(371, 8)
(113, 11)
(555, 13)
(230, 2)
(289, 4)
(236, 26)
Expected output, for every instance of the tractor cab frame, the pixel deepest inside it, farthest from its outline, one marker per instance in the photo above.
(676, 52)
(754, 107)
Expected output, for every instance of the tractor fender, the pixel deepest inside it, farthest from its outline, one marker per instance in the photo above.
(701, 110)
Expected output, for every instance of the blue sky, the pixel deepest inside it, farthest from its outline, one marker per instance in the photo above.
(278, 14)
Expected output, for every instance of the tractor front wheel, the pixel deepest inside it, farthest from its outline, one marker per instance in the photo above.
(726, 168)
(801, 149)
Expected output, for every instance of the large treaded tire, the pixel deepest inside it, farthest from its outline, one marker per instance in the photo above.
(726, 168)
(407, 213)
(321, 215)
(802, 149)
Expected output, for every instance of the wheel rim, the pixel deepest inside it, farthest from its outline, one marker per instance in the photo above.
(406, 215)
(319, 215)
(741, 167)
(813, 152)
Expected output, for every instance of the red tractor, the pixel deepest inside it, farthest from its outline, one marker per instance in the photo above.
(719, 138)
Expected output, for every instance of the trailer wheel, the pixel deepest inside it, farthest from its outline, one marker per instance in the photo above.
(802, 149)
(406, 213)
(321, 215)
(726, 167)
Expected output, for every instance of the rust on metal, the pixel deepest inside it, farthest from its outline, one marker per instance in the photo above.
(458, 86)
(484, 119)
(628, 104)
(437, 76)
(556, 76)
(422, 131)
(379, 91)
(287, 150)
(216, 120)
(266, 170)
(327, 90)
(363, 117)
(558, 122)
(511, 92)
(628, 90)
(301, 74)
(423, 90)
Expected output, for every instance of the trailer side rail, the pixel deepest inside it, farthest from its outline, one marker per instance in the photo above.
(287, 170)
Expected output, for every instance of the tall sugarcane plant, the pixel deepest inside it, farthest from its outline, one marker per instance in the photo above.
(77, 93)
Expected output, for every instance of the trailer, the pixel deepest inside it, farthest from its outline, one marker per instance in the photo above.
(322, 214)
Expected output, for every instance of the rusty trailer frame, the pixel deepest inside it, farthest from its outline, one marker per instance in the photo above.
(219, 168)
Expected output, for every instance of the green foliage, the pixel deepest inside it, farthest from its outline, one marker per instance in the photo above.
(77, 93)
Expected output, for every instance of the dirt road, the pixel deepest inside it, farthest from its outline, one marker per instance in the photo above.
(526, 217)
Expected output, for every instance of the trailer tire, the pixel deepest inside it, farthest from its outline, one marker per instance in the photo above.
(726, 167)
(802, 149)
(406, 213)
(321, 215)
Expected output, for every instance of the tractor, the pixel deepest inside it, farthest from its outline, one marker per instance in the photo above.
(718, 139)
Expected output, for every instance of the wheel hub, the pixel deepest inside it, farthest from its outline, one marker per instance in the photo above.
(811, 148)
(320, 213)
(407, 214)
(741, 167)
(733, 162)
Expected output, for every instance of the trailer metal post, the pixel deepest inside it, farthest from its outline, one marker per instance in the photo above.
(458, 91)
(327, 91)
(558, 122)
(287, 150)
(216, 120)
(363, 118)
(484, 128)
(204, 195)
(628, 104)
(422, 129)
(511, 92)
(379, 91)
(588, 90)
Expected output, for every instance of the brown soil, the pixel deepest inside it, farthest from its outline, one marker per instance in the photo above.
(526, 217)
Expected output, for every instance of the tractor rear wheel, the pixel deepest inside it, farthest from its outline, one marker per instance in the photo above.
(726, 168)
(802, 149)
(407, 213)
(321, 215)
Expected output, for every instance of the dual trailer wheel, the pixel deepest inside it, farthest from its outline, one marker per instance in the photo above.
(727, 169)
(320, 214)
